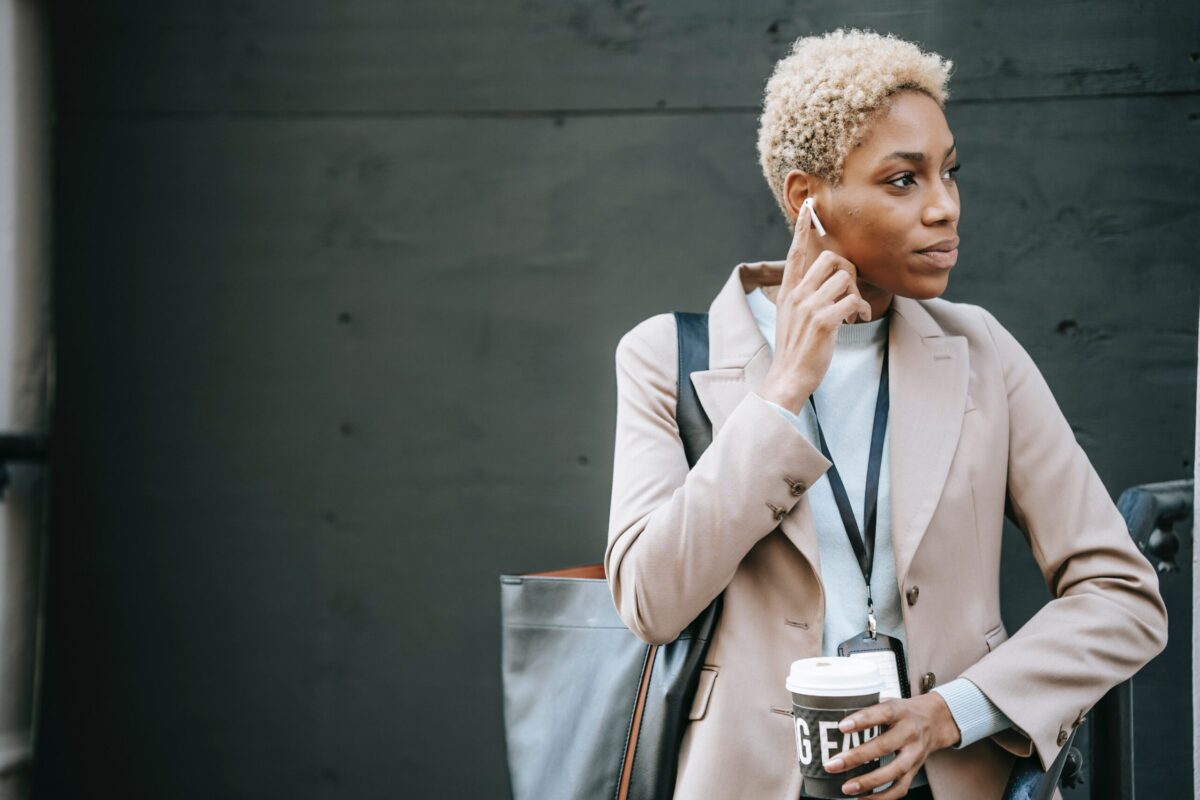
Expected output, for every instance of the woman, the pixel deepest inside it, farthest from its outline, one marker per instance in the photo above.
(853, 121)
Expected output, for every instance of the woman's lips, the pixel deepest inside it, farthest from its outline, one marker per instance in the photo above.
(942, 259)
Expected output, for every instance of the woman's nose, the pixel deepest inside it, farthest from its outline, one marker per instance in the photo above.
(943, 206)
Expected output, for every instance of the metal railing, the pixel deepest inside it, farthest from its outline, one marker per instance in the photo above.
(1152, 513)
(29, 447)
(16, 746)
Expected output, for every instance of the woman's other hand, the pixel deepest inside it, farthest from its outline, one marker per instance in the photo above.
(812, 303)
(914, 728)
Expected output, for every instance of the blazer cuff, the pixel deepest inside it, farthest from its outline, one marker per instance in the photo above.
(976, 716)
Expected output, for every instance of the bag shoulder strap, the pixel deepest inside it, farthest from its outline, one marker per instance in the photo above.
(695, 430)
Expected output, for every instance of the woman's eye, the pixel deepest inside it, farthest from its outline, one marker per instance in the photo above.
(911, 175)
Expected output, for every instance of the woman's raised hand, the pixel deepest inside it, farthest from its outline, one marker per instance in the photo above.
(814, 299)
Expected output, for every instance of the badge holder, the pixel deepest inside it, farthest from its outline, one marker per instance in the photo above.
(887, 652)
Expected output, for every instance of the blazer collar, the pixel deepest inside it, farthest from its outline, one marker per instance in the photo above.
(928, 373)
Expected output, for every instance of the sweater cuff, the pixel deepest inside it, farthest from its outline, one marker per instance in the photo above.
(976, 716)
(796, 420)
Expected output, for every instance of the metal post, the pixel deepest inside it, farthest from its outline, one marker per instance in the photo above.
(25, 376)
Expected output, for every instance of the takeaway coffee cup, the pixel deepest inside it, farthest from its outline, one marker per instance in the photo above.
(824, 690)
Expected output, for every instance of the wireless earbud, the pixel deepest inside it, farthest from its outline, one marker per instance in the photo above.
(810, 204)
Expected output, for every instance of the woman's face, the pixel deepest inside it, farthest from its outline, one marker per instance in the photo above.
(898, 195)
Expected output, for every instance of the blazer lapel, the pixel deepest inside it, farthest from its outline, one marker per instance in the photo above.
(927, 373)
(927, 386)
(738, 355)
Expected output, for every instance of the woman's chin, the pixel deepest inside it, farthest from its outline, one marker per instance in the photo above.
(926, 287)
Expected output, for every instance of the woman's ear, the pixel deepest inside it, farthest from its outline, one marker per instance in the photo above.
(797, 187)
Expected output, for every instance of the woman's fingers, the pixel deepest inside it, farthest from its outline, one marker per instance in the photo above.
(796, 262)
(885, 713)
(807, 321)
(900, 736)
(900, 789)
(840, 281)
(895, 771)
(889, 741)
(850, 306)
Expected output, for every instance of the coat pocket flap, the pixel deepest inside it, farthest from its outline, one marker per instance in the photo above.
(996, 636)
(708, 675)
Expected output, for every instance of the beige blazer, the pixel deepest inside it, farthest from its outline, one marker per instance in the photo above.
(971, 417)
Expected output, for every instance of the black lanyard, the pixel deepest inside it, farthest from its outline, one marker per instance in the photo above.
(865, 552)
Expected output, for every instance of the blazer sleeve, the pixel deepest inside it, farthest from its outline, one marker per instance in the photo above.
(676, 537)
(1107, 618)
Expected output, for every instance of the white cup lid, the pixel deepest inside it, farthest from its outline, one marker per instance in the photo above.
(826, 676)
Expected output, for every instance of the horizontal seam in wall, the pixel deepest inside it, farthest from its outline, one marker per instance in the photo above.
(549, 113)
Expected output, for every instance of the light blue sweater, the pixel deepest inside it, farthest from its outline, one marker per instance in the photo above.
(846, 403)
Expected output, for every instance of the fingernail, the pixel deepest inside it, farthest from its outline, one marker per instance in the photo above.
(835, 764)
(845, 725)
(850, 788)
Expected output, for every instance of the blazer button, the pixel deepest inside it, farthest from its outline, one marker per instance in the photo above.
(798, 487)
(928, 681)
(1062, 736)
(911, 594)
(779, 511)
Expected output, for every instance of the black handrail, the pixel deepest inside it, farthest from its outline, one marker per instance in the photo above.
(27, 447)
(1152, 512)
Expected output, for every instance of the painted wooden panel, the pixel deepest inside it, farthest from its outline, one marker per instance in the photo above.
(324, 375)
(380, 56)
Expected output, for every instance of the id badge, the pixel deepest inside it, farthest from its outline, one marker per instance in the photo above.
(888, 653)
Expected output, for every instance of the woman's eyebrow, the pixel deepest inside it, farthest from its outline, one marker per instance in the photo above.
(901, 155)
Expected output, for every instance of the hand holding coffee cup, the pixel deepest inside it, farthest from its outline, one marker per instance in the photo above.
(913, 728)
(843, 731)
(824, 691)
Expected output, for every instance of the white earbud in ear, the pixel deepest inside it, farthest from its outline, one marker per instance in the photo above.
(809, 204)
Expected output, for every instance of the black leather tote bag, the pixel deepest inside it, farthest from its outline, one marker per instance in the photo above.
(590, 710)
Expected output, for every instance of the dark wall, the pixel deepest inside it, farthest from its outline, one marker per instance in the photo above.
(337, 289)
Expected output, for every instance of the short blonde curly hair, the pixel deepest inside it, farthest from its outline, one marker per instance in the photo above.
(822, 96)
